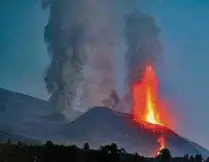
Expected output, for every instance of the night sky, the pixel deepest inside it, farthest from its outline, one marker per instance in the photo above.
(183, 71)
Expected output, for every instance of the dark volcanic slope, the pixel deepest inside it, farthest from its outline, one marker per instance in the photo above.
(15, 110)
(15, 138)
(103, 126)
(26, 118)
(21, 104)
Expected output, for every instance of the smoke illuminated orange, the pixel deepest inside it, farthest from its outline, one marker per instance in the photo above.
(145, 98)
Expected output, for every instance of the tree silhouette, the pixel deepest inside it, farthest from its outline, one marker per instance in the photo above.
(122, 151)
(114, 156)
(86, 147)
(49, 144)
(198, 158)
(165, 155)
(113, 148)
(191, 159)
(19, 143)
(8, 141)
(136, 157)
(186, 158)
(58, 153)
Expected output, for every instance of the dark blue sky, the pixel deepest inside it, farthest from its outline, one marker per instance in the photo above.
(183, 72)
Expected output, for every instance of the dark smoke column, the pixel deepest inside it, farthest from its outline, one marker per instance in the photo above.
(80, 40)
(143, 47)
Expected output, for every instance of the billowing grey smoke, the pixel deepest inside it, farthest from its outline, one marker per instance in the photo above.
(80, 35)
(144, 46)
(80, 39)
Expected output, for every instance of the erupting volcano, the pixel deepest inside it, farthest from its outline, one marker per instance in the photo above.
(146, 103)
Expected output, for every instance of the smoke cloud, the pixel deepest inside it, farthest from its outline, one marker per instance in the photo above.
(80, 39)
(144, 46)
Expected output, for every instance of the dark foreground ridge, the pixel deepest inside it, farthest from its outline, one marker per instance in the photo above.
(50, 152)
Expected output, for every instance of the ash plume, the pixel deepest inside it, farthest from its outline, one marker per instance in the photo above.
(80, 36)
(144, 46)
(80, 40)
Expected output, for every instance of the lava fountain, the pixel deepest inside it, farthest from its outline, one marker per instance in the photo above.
(145, 98)
(147, 106)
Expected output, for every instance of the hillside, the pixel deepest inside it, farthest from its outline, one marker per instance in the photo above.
(101, 126)
(27, 116)
(22, 116)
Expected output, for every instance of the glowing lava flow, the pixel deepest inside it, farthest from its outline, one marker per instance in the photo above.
(145, 98)
(162, 144)
(147, 105)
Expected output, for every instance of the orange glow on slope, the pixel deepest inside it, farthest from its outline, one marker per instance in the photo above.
(162, 145)
(145, 98)
(161, 142)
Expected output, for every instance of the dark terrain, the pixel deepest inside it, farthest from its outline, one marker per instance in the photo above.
(50, 152)
(24, 118)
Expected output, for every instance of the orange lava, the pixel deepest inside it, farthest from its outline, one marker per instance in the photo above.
(147, 106)
(162, 144)
(161, 141)
(145, 98)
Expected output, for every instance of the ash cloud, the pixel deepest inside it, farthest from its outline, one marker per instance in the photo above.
(144, 45)
(80, 40)
(81, 37)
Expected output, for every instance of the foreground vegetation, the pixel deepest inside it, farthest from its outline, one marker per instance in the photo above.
(49, 152)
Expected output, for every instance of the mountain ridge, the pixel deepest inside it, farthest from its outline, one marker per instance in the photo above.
(101, 126)
(33, 119)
